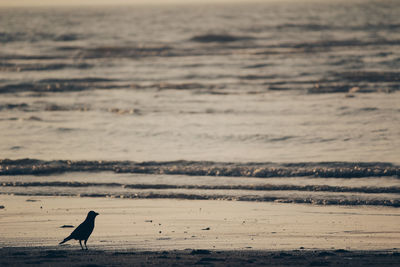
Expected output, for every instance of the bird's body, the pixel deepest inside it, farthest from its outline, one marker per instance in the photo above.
(83, 231)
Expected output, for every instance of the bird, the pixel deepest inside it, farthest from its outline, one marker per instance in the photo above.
(83, 231)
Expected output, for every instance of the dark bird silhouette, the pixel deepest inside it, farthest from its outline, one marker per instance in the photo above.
(83, 231)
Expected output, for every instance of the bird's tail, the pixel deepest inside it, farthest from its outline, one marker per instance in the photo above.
(65, 240)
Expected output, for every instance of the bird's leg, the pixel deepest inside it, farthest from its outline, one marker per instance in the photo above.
(85, 244)
(80, 243)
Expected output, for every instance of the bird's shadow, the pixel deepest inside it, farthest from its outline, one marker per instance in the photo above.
(71, 248)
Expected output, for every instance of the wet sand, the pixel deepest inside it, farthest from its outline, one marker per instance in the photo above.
(62, 257)
(168, 232)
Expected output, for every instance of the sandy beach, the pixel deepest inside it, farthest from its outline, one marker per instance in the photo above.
(169, 232)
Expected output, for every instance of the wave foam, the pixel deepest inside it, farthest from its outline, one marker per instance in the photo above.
(205, 168)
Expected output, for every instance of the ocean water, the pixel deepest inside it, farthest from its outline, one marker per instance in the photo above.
(292, 102)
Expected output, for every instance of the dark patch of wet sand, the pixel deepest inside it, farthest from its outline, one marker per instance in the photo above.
(67, 257)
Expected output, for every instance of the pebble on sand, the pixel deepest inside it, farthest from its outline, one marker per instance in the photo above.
(67, 226)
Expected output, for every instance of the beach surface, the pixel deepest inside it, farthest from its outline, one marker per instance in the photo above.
(169, 232)
(164, 224)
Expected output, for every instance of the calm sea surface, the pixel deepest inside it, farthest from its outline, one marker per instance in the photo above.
(293, 102)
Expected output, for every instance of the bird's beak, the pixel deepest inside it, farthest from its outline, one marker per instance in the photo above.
(97, 213)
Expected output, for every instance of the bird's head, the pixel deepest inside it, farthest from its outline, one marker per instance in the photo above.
(92, 214)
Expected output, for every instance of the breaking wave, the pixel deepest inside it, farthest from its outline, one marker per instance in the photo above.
(11, 67)
(342, 43)
(219, 38)
(253, 198)
(261, 187)
(8, 37)
(125, 51)
(365, 183)
(205, 168)
(61, 85)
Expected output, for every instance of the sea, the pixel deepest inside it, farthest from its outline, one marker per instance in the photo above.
(275, 101)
